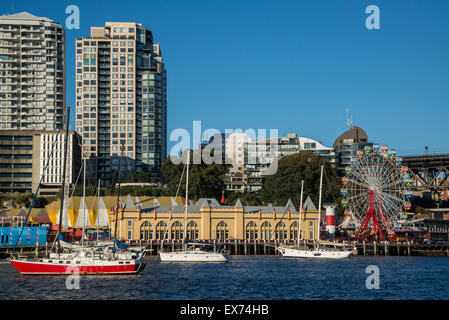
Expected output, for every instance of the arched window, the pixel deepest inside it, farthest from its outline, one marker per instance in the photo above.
(161, 228)
(294, 231)
(251, 231)
(193, 230)
(266, 231)
(222, 231)
(281, 231)
(146, 231)
(177, 231)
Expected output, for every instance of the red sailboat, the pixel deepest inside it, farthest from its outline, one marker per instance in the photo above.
(83, 260)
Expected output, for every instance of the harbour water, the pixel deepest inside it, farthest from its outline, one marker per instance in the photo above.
(247, 278)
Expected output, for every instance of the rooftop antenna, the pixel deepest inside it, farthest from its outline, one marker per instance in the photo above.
(348, 122)
(12, 6)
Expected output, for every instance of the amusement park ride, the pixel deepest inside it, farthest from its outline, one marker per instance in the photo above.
(375, 190)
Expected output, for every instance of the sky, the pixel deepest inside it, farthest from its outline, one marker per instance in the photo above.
(294, 65)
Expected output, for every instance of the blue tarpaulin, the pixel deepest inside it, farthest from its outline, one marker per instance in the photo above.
(30, 236)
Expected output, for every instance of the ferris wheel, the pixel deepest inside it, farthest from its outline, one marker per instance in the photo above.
(375, 191)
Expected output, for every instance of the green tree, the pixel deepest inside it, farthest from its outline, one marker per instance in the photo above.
(24, 200)
(286, 182)
(205, 180)
(40, 202)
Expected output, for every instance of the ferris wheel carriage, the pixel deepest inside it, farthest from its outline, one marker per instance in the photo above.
(392, 153)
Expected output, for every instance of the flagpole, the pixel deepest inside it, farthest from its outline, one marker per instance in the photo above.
(300, 212)
(187, 199)
(118, 194)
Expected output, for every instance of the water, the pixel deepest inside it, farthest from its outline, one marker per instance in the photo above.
(248, 277)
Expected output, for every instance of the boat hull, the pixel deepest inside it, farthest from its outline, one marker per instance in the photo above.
(45, 268)
(320, 254)
(193, 257)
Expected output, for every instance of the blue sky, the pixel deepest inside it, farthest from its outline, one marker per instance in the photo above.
(291, 65)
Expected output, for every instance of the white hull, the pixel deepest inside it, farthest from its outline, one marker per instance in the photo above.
(314, 253)
(193, 256)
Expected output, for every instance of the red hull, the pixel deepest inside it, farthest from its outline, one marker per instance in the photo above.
(31, 267)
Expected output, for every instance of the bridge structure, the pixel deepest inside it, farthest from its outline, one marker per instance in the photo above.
(430, 172)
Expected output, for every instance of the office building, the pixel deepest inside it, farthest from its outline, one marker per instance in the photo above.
(24, 154)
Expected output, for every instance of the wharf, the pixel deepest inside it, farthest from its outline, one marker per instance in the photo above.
(260, 247)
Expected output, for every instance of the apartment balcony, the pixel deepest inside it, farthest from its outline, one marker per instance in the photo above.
(33, 53)
(8, 37)
(32, 45)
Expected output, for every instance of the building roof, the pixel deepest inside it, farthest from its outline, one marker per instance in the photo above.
(308, 204)
(129, 203)
(24, 16)
(238, 204)
(355, 133)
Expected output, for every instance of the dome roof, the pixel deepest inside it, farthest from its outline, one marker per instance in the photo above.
(356, 133)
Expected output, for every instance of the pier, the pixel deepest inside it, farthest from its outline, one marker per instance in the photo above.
(260, 247)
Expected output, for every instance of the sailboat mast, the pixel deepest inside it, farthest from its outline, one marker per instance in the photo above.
(300, 212)
(319, 203)
(84, 199)
(118, 193)
(187, 198)
(64, 170)
(98, 206)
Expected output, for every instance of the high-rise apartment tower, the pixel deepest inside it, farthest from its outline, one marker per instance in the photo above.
(121, 99)
(32, 73)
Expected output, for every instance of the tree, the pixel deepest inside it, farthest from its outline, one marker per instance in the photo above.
(24, 200)
(205, 180)
(40, 202)
(286, 182)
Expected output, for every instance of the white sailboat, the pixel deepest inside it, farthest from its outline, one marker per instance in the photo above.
(194, 252)
(321, 249)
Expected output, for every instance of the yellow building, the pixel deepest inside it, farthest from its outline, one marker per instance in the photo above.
(208, 220)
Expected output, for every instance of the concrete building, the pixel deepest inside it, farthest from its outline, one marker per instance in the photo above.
(24, 154)
(258, 156)
(32, 73)
(121, 99)
(347, 145)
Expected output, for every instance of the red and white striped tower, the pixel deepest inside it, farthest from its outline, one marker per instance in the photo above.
(330, 219)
